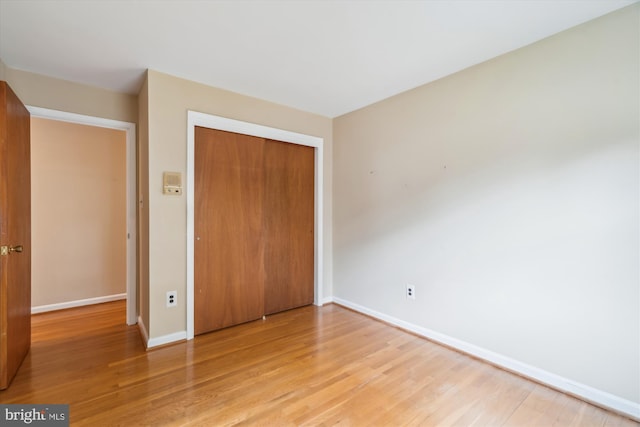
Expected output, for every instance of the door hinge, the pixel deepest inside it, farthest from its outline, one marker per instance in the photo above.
(4, 250)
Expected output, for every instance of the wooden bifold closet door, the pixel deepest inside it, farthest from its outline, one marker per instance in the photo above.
(254, 228)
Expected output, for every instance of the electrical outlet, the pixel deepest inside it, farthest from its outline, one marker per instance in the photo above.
(172, 298)
(411, 292)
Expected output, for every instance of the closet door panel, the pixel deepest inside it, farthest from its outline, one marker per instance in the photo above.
(229, 270)
(288, 225)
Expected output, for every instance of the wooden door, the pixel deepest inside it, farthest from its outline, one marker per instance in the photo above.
(228, 216)
(15, 235)
(289, 225)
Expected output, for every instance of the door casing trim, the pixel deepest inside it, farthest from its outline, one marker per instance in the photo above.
(130, 132)
(194, 119)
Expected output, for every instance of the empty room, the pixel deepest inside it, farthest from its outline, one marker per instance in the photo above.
(353, 212)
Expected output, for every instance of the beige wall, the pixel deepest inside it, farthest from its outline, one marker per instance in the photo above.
(78, 212)
(143, 206)
(47, 92)
(169, 100)
(508, 194)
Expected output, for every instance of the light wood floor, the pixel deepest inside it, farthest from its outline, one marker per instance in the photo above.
(311, 366)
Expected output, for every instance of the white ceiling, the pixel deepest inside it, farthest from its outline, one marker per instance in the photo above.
(328, 57)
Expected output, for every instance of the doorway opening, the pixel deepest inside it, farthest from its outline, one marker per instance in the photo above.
(96, 209)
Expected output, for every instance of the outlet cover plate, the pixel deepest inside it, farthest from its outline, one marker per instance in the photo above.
(411, 291)
(172, 298)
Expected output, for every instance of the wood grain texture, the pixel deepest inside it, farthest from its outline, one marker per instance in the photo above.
(254, 228)
(15, 229)
(308, 366)
(229, 249)
(288, 225)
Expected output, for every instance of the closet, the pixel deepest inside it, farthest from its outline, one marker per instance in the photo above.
(253, 226)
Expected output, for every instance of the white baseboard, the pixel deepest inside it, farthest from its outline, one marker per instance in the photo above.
(143, 332)
(166, 339)
(77, 303)
(158, 341)
(327, 300)
(582, 391)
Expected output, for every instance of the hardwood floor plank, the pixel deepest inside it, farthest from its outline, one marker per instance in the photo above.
(309, 366)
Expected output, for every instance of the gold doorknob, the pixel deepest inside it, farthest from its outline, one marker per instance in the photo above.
(17, 248)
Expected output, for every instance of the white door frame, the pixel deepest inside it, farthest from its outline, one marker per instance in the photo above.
(230, 125)
(130, 130)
